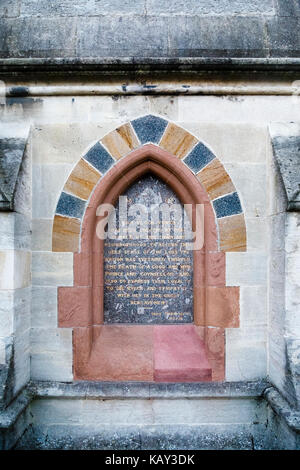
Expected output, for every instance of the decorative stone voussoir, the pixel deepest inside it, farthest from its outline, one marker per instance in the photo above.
(66, 232)
(177, 140)
(227, 205)
(198, 158)
(215, 179)
(232, 233)
(121, 141)
(82, 180)
(149, 128)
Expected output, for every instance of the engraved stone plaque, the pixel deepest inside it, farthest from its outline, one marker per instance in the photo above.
(148, 276)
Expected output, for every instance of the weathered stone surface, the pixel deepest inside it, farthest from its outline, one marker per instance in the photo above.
(51, 354)
(80, 8)
(49, 181)
(11, 154)
(246, 355)
(14, 269)
(210, 7)
(35, 37)
(159, 437)
(42, 234)
(246, 269)
(64, 143)
(283, 41)
(44, 307)
(15, 231)
(52, 269)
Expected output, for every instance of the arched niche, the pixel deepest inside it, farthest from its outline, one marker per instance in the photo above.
(98, 350)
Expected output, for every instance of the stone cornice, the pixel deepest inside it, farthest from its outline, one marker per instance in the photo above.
(67, 67)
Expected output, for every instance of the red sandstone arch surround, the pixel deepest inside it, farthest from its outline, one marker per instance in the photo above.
(81, 306)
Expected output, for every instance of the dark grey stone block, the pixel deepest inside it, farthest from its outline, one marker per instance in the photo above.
(9, 8)
(199, 157)
(209, 7)
(37, 37)
(216, 36)
(149, 128)
(284, 37)
(81, 7)
(287, 7)
(70, 205)
(228, 205)
(122, 36)
(11, 155)
(287, 154)
(99, 158)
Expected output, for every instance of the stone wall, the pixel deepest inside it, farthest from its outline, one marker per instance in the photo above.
(149, 28)
(264, 347)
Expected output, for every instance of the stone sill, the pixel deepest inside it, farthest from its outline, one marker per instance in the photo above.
(141, 390)
(144, 390)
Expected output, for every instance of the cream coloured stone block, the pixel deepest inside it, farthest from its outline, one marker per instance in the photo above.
(68, 109)
(246, 269)
(48, 182)
(65, 143)
(164, 106)
(126, 108)
(6, 312)
(257, 233)
(22, 310)
(15, 231)
(253, 306)
(51, 354)
(240, 109)
(277, 358)
(292, 273)
(21, 360)
(52, 366)
(148, 412)
(44, 307)
(14, 311)
(42, 234)
(246, 353)
(277, 232)
(14, 269)
(51, 340)
(52, 269)
(232, 142)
